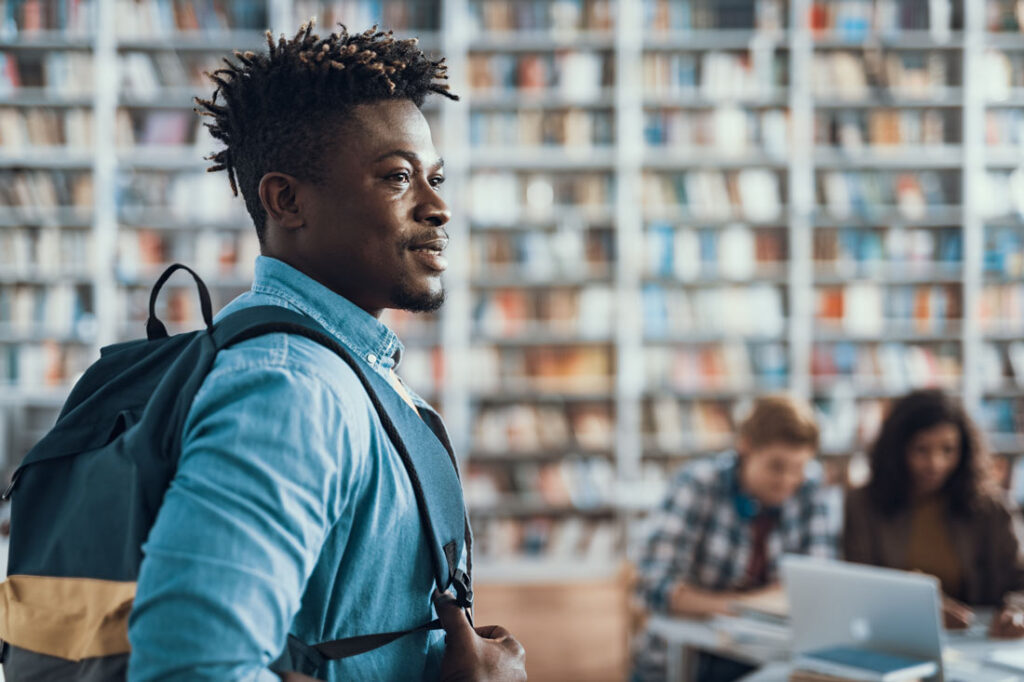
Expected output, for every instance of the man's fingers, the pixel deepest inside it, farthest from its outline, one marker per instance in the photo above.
(492, 632)
(453, 618)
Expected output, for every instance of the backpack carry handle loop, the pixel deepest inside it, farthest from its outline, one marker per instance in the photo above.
(155, 329)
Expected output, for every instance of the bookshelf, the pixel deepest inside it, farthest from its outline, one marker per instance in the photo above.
(662, 209)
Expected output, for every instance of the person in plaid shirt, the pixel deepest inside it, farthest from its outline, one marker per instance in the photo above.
(727, 520)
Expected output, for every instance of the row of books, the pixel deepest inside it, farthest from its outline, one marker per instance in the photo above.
(537, 256)
(582, 370)
(526, 429)
(569, 539)
(58, 309)
(572, 74)
(191, 197)
(565, 313)
(1003, 416)
(57, 73)
(1002, 74)
(731, 365)
(502, 197)
(72, 17)
(1002, 365)
(397, 15)
(736, 252)
(881, 128)
(1004, 251)
(726, 130)
(870, 309)
(161, 128)
(750, 310)
(160, 18)
(25, 128)
(662, 16)
(848, 75)
(32, 366)
(1001, 193)
(1002, 16)
(857, 20)
(576, 128)
(848, 194)
(45, 189)
(753, 194)
(1001, 308)
(847, 422)
(44, 252)
(674, 426)
(892, 367)
(1004, 128)
(561, 17)
(716, 75)
(143, 253)
(574, 482)
(144, 74)
(850, 251)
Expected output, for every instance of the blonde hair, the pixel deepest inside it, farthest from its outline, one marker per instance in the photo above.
(779, 420)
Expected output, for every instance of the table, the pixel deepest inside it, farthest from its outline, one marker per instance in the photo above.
(768, 646)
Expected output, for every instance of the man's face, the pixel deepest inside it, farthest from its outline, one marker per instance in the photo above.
(773, 473)
(374, 228)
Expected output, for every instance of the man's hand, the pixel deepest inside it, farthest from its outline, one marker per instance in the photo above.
(484, 654)
(692, 602)
(956, 616)
(1007, 624)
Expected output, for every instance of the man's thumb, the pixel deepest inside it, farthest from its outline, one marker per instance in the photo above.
(453, 618)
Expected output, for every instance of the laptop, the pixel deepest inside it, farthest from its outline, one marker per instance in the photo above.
(837, 604)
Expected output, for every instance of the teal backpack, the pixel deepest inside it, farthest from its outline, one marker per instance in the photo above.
(85, 497)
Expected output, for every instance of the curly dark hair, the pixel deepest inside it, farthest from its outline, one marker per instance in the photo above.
(889, 487)
(276, 106)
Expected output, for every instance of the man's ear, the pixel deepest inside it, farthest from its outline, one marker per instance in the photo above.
(279, 196)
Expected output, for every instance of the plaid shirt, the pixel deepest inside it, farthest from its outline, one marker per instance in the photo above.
(697, 535)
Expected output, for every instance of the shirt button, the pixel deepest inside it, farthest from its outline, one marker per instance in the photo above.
(371, 358)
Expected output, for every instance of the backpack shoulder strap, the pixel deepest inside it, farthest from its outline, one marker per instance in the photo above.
(429, 466)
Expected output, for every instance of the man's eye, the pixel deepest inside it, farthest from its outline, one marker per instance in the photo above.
(437, 181)
(399, 177)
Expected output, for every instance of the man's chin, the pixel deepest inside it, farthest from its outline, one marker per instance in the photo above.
(423, 301)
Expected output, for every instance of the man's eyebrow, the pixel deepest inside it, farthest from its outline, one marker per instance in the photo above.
(411, 157)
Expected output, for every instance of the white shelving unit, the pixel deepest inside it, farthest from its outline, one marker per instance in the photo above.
(621, 219)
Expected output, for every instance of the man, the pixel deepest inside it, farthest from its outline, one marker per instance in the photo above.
(726, 521)
(291, 512)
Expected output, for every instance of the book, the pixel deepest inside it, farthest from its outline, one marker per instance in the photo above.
(865, 664)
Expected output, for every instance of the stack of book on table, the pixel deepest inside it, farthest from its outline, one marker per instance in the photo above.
(853, 664)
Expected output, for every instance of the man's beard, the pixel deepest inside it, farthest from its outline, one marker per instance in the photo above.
(404, 298)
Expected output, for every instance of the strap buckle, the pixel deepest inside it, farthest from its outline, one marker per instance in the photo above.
(463, 585)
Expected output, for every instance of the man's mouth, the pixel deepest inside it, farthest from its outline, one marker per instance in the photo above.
(429, 253)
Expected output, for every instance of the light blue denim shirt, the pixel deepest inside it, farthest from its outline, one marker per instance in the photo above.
(290, 511)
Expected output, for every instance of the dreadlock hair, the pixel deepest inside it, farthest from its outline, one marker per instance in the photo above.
(274, 106)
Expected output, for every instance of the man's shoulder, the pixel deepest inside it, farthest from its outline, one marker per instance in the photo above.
(284, 352)
(706, 473)
(312, 363)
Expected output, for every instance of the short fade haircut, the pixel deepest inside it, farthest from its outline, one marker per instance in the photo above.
(780, 420)
(276, 106)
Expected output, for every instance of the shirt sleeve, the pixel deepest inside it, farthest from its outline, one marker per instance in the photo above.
(822, 527)
(240, 529)
(674, 532)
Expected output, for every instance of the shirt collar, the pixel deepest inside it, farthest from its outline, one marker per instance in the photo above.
(361, 332)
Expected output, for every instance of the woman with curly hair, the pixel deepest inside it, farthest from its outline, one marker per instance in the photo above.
(930, 506)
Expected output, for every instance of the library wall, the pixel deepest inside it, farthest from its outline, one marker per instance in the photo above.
(664, 208)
